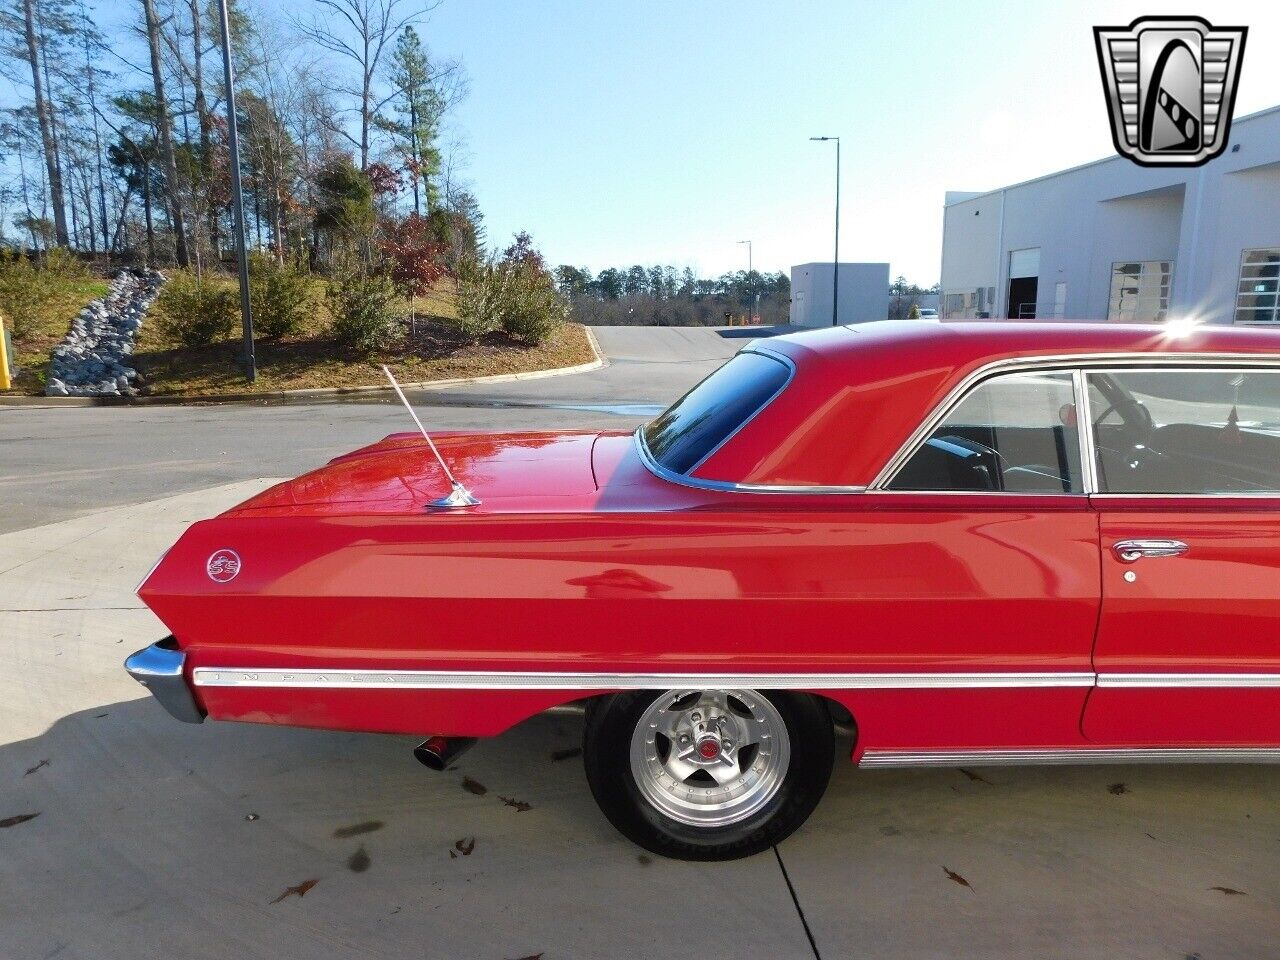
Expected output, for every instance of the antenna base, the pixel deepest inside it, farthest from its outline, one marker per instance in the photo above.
(457, 498)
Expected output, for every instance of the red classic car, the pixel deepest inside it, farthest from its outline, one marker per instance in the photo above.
(968, 544)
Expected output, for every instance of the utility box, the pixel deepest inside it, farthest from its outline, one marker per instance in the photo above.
(864, 293)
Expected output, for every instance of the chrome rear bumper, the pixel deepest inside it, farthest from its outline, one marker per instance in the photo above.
(159, 669)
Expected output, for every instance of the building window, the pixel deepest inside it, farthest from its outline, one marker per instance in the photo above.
(1258, 300)
(1140, 291)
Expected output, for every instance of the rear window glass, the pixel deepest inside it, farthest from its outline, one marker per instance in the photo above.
(692, 427)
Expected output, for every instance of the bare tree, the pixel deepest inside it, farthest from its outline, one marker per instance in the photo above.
(46, 119)
(359, 31)
(173, 193)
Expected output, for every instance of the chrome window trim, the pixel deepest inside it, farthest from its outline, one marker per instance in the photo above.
(339, 678)
(1084, 432)
(1068, 756)
(1047, 363)
(728, 486)
(791, 375)
(1227, 367)
(731, 486)
(651, 462)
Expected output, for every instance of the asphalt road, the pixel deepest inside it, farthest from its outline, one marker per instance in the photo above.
(60, 462)
(124, 834)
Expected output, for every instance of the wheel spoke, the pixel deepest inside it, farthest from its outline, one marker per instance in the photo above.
(710, 791)
(725, 771)
(680, 768)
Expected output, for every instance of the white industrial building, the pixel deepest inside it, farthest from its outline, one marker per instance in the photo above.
(1116, 241)
(864, 293)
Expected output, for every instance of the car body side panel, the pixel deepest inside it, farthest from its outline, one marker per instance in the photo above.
(1202, 628)
(874, 584)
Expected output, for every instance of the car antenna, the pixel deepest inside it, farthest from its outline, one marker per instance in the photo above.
(459, 496)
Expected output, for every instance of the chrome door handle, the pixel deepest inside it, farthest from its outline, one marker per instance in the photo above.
(1127, 551)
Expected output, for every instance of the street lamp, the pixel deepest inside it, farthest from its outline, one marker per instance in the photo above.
(835, 265)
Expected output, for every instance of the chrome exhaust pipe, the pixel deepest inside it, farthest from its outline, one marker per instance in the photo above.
(438, 752)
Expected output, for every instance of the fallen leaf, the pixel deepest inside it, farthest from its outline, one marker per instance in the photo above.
(643, 860)
(974, 777)
(299, 891)
(1150, 836)
(474, 786)
(956, 878)
(1230, 891)
(465, 846)
(1117, 789)
(520, 805)
(567, 754)
(14, 821)
(42, 763)
(359, 861)
(251, 817)
(532, 956)
(453, 855)
(368, 826)
(99, 716)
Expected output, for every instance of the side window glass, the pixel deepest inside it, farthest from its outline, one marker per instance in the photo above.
(1014, 433)
(1186, 431)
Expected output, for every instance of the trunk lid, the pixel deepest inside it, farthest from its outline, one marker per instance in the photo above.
(400, 473)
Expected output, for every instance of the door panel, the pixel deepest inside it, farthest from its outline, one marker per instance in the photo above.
(1188, 650)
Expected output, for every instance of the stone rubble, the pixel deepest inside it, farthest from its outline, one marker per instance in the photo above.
(92, 361)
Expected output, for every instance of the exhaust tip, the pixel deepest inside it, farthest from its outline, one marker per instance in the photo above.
(436, 753)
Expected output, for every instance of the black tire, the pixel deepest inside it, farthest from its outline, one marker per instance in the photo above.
(610, 722)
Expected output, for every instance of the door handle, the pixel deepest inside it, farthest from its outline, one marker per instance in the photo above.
(1127, 551)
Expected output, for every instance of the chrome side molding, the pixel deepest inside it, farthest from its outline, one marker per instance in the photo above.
(1068, 756)
(507, 680)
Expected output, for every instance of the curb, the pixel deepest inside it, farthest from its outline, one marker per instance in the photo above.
(311, 395)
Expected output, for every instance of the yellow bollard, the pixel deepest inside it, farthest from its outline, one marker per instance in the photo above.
(5, 383)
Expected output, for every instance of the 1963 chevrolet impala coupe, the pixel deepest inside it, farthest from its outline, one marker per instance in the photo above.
(988, 543)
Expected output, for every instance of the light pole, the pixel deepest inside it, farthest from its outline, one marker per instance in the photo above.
(237, 197)
(748, 243)
(835, 265)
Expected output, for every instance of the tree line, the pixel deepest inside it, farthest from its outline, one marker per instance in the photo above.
(341, 112)
(663, 295)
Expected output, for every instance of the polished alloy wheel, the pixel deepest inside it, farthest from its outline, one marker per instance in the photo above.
(709, 758)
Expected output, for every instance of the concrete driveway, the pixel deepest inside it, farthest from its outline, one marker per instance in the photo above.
(157, 839)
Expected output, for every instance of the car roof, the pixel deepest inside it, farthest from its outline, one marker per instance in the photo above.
(859, 391)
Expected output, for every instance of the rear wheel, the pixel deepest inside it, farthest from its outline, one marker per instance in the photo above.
(708, 774)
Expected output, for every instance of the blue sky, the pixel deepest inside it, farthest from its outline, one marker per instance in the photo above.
(666, 131)
(659, 131)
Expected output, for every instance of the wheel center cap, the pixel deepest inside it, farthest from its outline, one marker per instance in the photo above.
(709, 748)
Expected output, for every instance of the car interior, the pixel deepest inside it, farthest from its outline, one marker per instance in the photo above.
(1221, 452)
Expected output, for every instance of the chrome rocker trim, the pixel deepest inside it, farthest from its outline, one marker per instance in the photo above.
(1068, 756)
(159, 668)
(504, 680)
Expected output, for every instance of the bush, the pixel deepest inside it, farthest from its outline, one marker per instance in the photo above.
(279, 294)
(362, 301)
(481, 298)
(516, 294)
(534, 310)
(196, 311)
(23, 291)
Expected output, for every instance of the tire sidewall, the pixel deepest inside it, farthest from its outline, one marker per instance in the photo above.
(610, 725)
